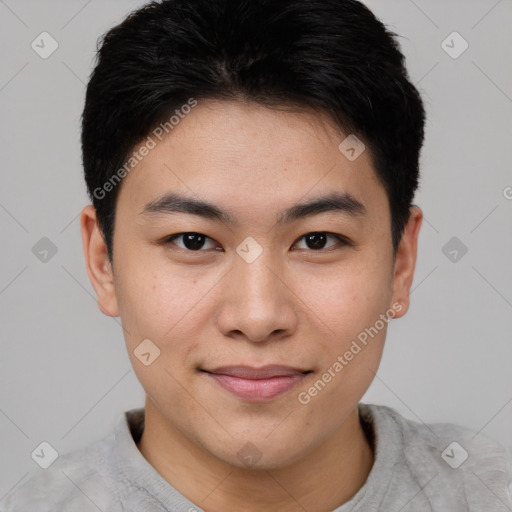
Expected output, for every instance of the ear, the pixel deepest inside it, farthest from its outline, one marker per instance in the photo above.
(405, 260)
(97, 263)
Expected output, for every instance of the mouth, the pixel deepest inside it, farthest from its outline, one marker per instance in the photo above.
(257, 384)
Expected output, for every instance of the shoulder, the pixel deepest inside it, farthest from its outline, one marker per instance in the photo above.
(447, 458)
(451, 446)
(76, 482)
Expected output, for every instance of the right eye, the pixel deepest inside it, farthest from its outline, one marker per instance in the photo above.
(191, 241)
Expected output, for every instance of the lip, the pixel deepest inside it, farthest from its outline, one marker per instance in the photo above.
(257, 384)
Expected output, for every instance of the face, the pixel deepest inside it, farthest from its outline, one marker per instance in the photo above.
(311, 290)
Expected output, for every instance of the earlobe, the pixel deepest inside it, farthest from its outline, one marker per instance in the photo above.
(405, 261)
(97, 262)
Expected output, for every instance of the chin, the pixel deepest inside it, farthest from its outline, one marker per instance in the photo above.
(259, 454)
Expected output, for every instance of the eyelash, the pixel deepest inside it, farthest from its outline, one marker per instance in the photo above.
(341, 239)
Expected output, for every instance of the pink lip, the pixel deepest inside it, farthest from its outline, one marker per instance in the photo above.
(257, 384)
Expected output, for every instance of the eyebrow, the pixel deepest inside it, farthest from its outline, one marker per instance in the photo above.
(335, 202)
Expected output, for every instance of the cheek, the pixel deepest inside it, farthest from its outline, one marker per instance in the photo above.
(349, 309)
(348, 300)
(161, 301)
(156, 305)
(351, 350)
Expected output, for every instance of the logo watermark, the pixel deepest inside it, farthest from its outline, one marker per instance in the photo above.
(305, 397)
(150, 143)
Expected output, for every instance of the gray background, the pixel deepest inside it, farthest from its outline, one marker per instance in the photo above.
(64, 372)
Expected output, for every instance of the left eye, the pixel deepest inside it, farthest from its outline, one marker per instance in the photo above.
(317, 240)
(196, 241)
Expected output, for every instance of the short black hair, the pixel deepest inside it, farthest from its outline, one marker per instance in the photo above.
(333, 56)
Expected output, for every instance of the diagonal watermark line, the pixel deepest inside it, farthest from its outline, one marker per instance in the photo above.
(115, 319)
(280, 423)
(410, 293)
(215, 488)
(310, 189)
(81, 490)
(312, 311)
(199, 403)
(73, 72)
(13, 279)
(494, 288)
(14, 486)
(327, 327)
(501, 409)
(419, 490)
(105, 394)
(305, 305)
(70, 222)
(424, 14)
(484, 218)
(286, 490)
(425, 424)
(120, 323)
(427, 73)
(430, 224)
(13, 13)
(490, 490)
(76, 14)
(14, 218)
(189, 310)
(195, 194)
(486, 14)
(14, 423)
(14, 76)
(492, 81)
(79, 283)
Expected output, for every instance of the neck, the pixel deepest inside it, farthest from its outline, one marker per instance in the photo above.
(323, 480)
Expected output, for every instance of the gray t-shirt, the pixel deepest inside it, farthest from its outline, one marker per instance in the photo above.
(437, 467)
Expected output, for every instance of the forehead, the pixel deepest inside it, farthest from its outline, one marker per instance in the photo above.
(252, 158)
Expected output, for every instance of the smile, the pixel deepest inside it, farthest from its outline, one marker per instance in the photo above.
(257, 384)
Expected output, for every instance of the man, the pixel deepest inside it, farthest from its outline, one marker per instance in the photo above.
(252, 167)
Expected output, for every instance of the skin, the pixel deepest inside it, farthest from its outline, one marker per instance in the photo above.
(293, 305)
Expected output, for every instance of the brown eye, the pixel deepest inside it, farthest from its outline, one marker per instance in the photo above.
(317, 240)
(191, 241)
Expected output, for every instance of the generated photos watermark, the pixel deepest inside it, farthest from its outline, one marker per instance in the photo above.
(305, 397)
(150, 143)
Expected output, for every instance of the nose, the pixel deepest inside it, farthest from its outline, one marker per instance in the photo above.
(258, 302)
